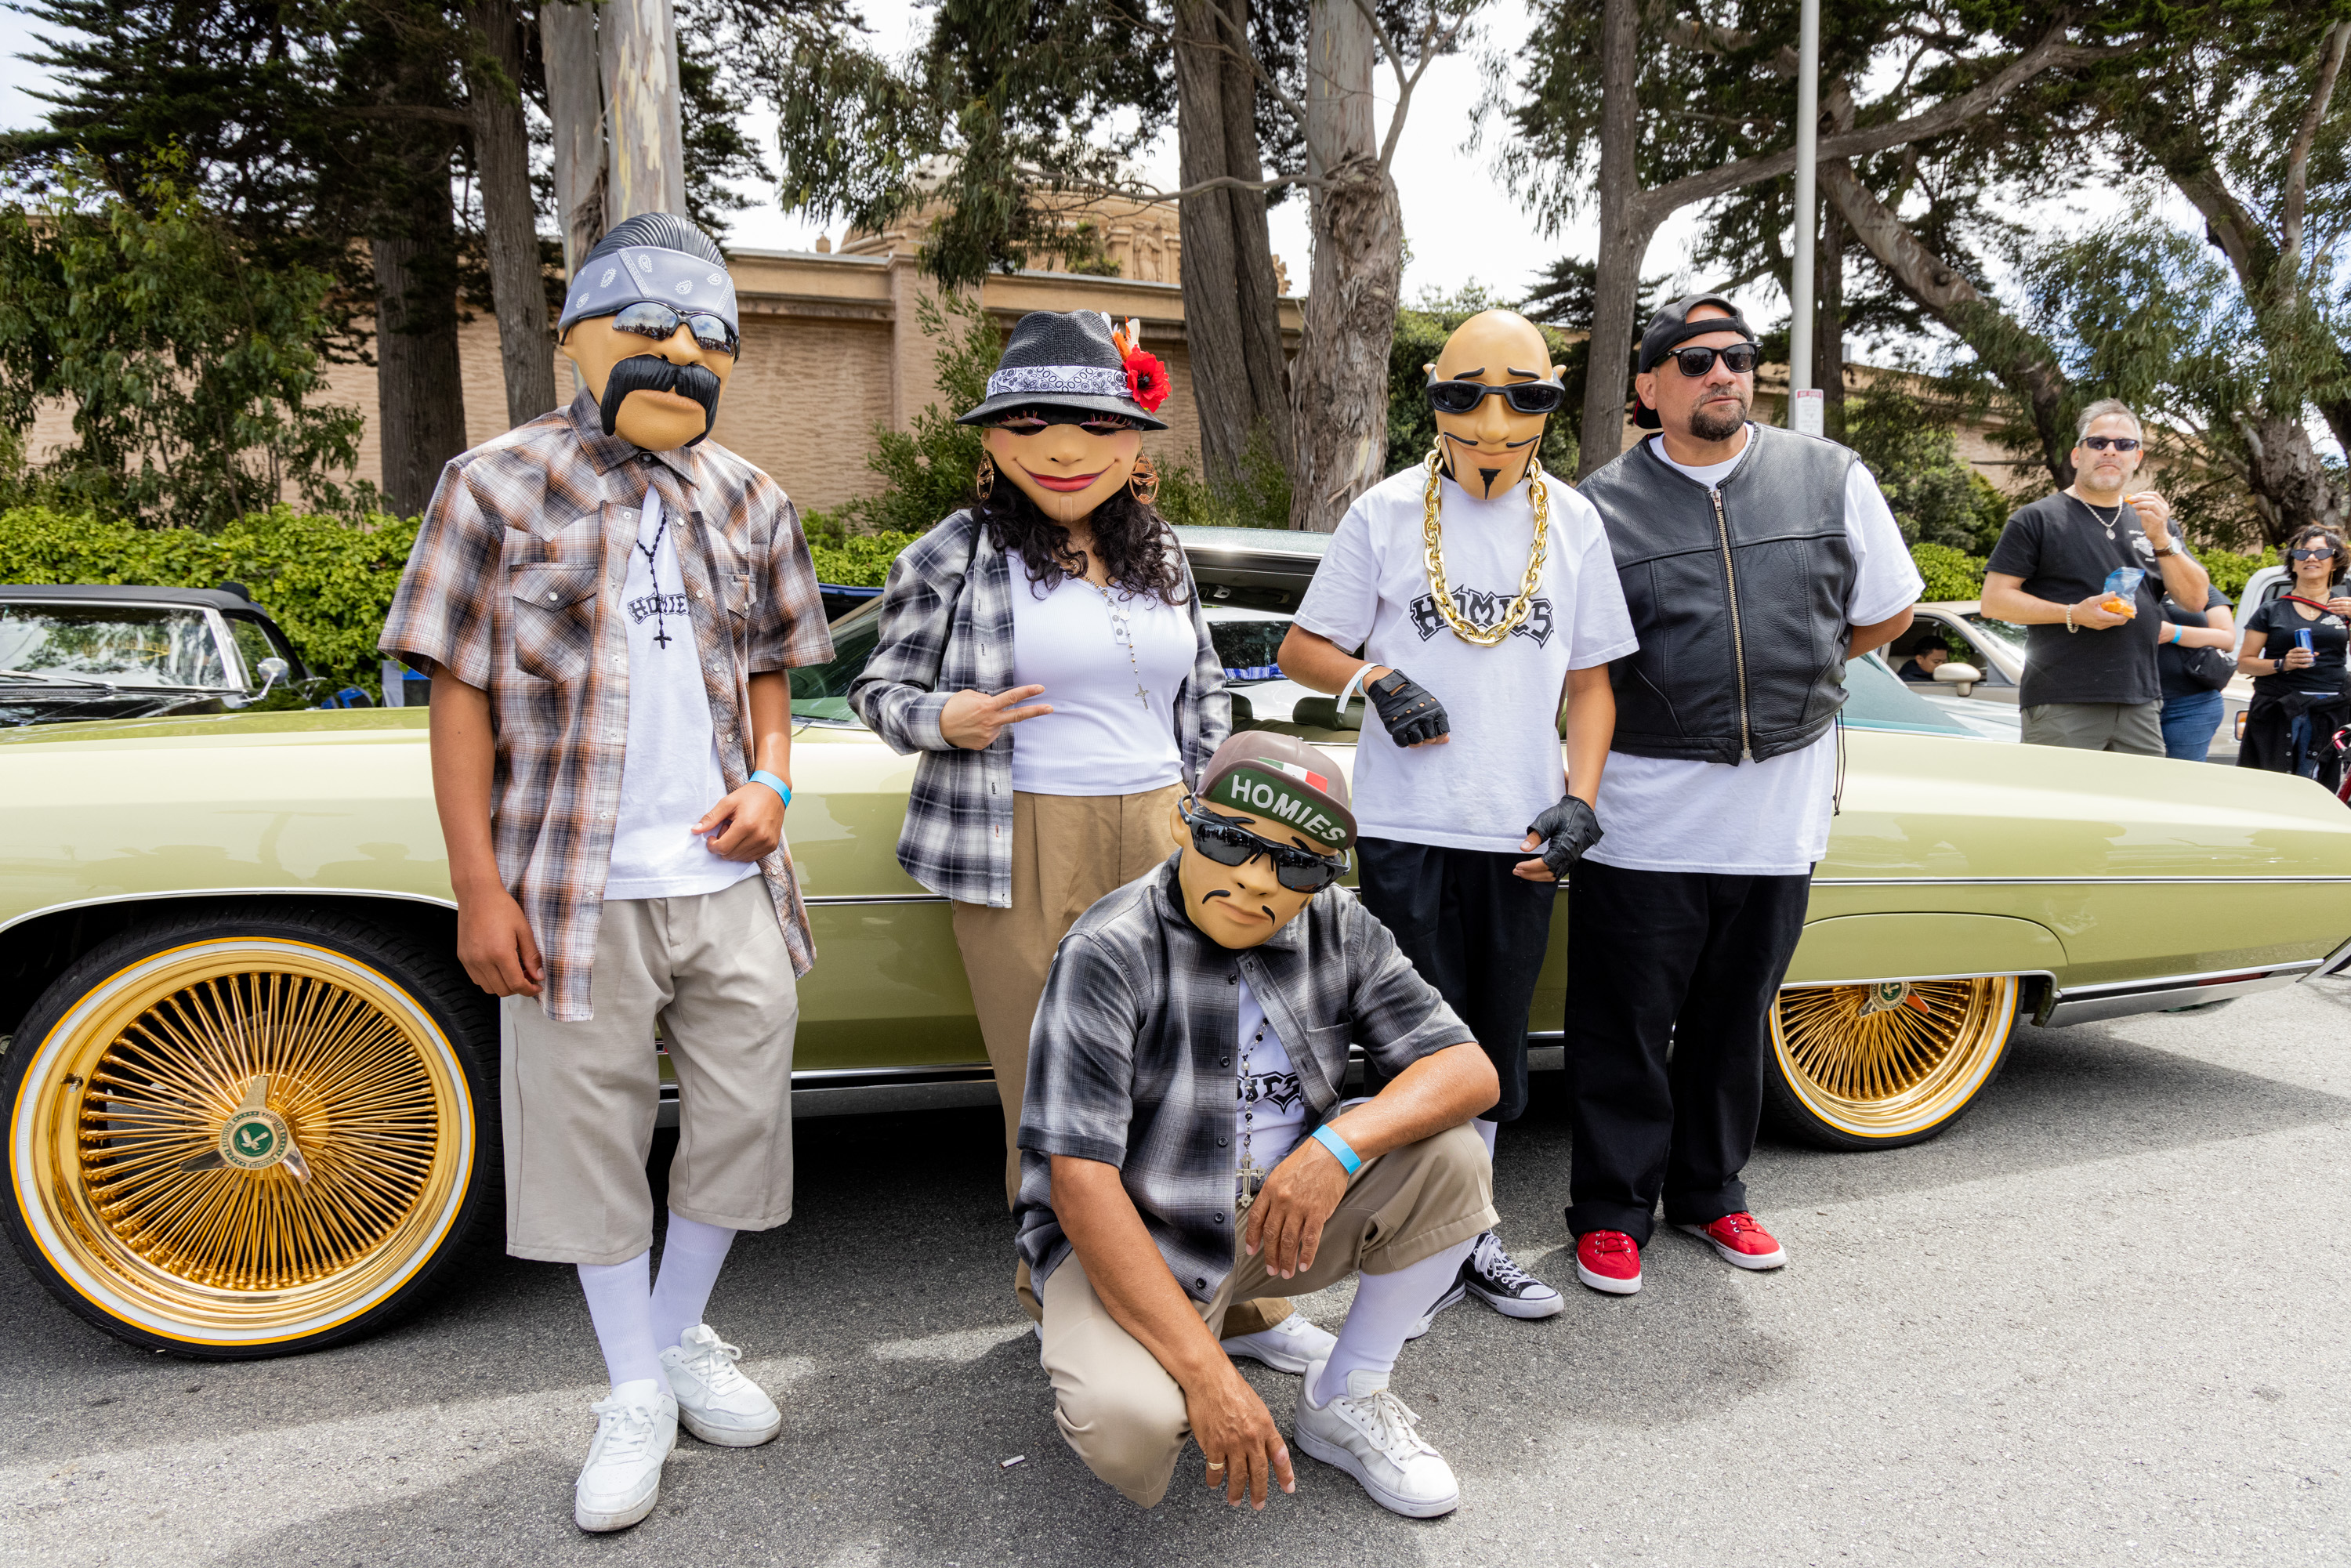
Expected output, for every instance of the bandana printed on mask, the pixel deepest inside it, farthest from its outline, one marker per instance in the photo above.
(1269, 789)
(634, 273)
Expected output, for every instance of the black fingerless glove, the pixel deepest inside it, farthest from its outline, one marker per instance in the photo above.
(1411, 715)
(1567, 830)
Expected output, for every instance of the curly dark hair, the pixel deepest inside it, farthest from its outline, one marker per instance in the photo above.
(1131, 537)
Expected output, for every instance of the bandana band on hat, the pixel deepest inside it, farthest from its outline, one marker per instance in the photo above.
(615, 281)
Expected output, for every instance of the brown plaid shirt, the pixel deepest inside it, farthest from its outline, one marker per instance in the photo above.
(515, 587)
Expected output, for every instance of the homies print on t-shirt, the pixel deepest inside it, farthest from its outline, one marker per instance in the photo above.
(653, 604)
(1482, 608)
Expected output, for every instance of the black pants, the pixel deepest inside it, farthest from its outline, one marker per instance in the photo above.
(1692, 959)
(1476, 933)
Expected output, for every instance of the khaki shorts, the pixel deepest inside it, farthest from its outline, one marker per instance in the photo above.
(2134, 727)
(1118, 1407)
(581, 1098)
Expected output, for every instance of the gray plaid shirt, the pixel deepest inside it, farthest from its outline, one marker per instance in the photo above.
(946, 627)
(1131, 1062)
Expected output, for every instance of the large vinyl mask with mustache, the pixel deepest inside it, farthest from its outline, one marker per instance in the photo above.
(657, 394)
(657, 391)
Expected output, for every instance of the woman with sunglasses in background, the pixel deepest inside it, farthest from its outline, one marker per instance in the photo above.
(2293, 649)
(1043, 651)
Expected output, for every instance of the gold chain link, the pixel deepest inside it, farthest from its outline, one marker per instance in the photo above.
(1432, 540)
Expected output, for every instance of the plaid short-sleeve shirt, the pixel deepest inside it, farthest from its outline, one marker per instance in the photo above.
(1131, 1059)
(514, 587)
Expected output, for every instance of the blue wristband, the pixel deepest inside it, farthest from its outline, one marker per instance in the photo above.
(1339, 1147)
(772, 782)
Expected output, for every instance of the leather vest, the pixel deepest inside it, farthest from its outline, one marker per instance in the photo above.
(1737, 595)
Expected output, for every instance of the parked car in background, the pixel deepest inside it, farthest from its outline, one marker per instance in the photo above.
(1987, 665)
(228, 939)
(121, 651)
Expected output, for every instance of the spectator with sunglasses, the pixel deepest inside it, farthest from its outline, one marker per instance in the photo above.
(1043, 651)
(2091, 677)
(1755, 561)
(1184, 1146)
(2294, 650)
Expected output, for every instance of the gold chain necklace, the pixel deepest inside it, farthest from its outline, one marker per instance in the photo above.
(1433, 547)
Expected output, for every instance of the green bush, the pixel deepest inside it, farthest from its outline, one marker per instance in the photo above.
(860, 560)
(1950, 573)
(2229, 569)
(327, 583)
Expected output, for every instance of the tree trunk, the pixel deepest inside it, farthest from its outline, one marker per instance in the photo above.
(575, 106)
(1625, 231)
(1232, 328)
(1828, 321)
(420, 395)
(646, 169)
(1339, 406)
(2020, 360)
(2289, 485)
(510, 216)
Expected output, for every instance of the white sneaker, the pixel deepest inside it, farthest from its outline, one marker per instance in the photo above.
(717, 1402)
(1290, 1346)
(1368, 1432)
(636, 1426)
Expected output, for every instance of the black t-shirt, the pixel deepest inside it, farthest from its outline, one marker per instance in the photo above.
(2176, 683)
(2274, 626)
(2058, 545)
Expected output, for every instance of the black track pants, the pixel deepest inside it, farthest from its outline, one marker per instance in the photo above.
(1475, 932)
(1692, 959)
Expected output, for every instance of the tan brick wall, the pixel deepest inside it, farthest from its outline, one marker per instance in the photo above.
(802, 401)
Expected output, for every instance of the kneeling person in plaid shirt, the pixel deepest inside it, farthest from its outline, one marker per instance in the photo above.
(607, 604)
(1184, 1146)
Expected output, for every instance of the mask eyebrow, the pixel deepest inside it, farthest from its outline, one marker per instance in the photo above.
(1530, 375)
(1462, 375)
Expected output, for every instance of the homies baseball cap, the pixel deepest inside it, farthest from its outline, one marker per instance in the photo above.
(1670, 328)
(1282, 778)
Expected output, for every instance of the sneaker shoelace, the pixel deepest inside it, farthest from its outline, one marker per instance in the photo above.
(1502, 1269)
(1392, 1424)
(714, 1363)
(624, 1430)
(1734, 1226)
(1607, 1243)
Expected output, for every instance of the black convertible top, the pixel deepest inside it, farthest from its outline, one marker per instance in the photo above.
(122, 594)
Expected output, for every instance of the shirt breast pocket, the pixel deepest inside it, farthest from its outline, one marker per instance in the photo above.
(554, 618)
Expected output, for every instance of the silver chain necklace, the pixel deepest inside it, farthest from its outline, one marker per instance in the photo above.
(1121, 631)
(2107, 524)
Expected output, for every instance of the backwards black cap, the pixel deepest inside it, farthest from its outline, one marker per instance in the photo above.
(1670, 328)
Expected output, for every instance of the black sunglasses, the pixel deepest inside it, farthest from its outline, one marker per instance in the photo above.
(2114, 442)
(1738, 359)
(1525, 397)
(2309, 554)
(659, 322)
(1229, 843)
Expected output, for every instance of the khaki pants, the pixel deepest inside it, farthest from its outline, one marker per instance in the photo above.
(1118, 1407)
(2134, 727)
(580, 1098)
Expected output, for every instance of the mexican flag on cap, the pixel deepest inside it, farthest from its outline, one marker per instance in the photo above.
(1282, 780)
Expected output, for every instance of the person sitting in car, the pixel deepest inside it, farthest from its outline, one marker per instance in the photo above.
(1928, 655)
(1183, 1146)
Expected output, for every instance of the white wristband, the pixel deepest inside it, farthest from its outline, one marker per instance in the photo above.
(1347, 693)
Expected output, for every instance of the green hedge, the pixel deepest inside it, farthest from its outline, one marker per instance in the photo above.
(861, 561)
(1951, 574)
(327, 583)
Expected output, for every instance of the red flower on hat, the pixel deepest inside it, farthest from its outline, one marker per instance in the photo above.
(1146, 380)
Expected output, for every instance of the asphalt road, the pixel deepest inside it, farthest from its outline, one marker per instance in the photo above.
(2103, 1321)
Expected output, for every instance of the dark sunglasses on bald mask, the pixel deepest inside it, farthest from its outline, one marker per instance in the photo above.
(2110, 442)
(1738, 359)
(1227, 843)
(659, 322)
(1525, 397)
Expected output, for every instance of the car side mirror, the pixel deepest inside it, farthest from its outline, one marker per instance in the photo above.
(1963, 677)
(272, 672)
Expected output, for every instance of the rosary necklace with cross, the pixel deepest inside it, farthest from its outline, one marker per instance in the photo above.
(661, 627)
(1249, 1175)
(1122, 629)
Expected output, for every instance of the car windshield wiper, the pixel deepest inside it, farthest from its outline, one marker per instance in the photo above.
(47, 680)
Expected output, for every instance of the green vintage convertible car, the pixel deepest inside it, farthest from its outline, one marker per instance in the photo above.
(252, 1100)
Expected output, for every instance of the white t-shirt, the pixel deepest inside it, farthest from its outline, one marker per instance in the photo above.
(1503, 768)
(669, 775)
(1753, 819)
(1269, 1113)
(1111, 665)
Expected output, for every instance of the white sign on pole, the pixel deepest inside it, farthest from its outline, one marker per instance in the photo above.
(1807, 412)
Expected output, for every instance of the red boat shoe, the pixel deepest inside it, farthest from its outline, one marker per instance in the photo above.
(1742, 1243)
(1609, 1260)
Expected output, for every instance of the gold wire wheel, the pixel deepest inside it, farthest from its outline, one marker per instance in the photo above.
(1893, 1058)
(242, 1141)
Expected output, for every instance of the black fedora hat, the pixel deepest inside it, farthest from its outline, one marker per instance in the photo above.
(1061, 361)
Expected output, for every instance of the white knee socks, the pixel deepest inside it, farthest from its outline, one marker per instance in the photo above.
(620, 1303)
(1386, 1306)
(691, 1256)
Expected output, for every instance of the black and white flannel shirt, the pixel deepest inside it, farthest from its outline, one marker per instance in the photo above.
(946, 627)
(1131, 1061)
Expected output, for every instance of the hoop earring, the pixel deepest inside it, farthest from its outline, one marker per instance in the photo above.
(1144, 483)
(984, 480)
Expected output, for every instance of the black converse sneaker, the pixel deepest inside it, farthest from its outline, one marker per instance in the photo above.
(1492, 1278)
(1452, 1293)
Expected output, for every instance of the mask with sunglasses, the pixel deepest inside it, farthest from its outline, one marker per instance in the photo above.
(1229, 844)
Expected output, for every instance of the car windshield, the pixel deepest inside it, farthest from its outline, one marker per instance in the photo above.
(2006, 635)
(120, 644)
(1876, 698)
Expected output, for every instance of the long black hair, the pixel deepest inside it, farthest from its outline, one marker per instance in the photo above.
(1132, 538)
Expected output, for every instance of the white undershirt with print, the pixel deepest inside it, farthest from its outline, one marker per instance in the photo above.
(670, 774)
(1270, 1112)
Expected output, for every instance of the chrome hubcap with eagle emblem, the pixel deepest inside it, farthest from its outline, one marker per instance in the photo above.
(1891, 1059)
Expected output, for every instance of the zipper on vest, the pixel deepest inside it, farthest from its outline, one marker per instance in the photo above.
(1738, 638)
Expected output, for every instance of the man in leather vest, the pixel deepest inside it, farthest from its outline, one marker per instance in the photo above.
(1755, 562)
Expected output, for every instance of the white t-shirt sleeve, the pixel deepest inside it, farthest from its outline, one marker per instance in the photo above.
(1343, 598)
(1885, 580)
(1603, 627)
